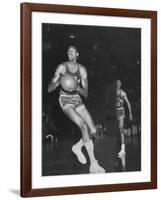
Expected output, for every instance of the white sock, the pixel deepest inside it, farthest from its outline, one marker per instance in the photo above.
(90, 150)
(123, 147)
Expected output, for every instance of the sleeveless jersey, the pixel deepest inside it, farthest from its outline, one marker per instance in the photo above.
(76, 76)
(120, 101)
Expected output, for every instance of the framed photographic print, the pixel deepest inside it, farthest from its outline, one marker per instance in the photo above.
(88, 99)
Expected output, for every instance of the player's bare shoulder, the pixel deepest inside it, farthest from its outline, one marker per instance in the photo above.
(61, 69)
(123, 93)
(83, 71)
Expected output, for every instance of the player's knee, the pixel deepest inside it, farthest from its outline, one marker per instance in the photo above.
(122, 131)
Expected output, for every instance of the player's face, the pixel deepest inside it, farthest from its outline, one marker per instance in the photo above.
(72, 53)
(118, 84)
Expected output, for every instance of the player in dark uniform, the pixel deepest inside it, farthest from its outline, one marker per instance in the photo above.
(121, 97)
(73, 107)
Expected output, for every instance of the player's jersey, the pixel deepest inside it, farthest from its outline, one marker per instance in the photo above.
(120, 101)
(120, 112)
(76, 76)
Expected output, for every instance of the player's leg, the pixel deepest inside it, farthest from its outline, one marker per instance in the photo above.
(94, 166)
(83, 112)
(121, 127)
(74, 116)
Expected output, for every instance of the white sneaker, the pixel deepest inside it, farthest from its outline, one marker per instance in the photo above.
(80, 156)
(96, 168)
(122, 153)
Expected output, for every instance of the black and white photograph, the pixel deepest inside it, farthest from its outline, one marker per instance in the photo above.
(88, 84)
(91, 99)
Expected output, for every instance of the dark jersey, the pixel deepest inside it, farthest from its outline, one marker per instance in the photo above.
(120, 101)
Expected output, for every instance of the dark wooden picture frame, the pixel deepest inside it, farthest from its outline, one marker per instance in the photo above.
(26, 99)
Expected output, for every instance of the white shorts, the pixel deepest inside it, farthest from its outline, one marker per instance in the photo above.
(73, 101)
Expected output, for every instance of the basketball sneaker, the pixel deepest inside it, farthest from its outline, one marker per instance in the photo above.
(96, 168)
(80, 156)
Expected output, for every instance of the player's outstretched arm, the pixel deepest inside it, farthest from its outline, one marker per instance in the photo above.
(84, 82)
(55, 82)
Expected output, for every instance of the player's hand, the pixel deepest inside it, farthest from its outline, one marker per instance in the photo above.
(53, 86)
(77, 88)
(130, 117)
(74, 88)
(71, 90)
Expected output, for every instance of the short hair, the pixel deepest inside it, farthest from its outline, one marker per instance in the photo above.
(118, 80)
(74, 47)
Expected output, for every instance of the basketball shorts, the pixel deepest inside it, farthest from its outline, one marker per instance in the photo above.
(73, 101)
(120, 112)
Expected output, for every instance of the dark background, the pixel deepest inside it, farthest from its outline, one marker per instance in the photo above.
(108, 53)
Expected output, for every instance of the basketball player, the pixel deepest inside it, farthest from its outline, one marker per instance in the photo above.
(121, 97)
(73, 107)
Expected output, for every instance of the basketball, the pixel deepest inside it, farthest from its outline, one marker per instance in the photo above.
(68, 82)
